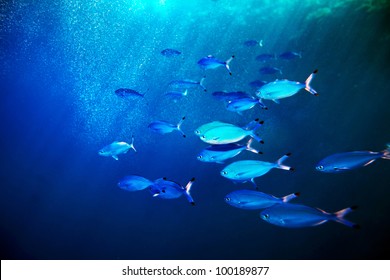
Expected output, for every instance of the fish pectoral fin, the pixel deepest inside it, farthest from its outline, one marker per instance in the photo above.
(340, 168)
(371, 161)
(115, 157)
(276, 101)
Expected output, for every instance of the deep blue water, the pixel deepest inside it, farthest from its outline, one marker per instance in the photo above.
(61, 63)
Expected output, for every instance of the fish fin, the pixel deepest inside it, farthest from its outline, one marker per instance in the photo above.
(371, 161)
(156, 194)
(262, 105)
(185, 93)
(201, 83)
(221, 162)
(132, 143)
(287, 198)
(239, 112)
(179, 126)
(250, 148)
(308, 81)
(339, 217)
(227, 62)
(386, 152)
(261, 43)
(281, 160)
(276, 101)
(253, 182)
(115, 157)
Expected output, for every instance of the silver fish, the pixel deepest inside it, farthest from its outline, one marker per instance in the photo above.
(342, 162)
(284, 88)
(298, 216)
(187, 84)
(254, 200)
(166, 189)
(116, 148)
(163, 127)
(210, 62)
(246, 170)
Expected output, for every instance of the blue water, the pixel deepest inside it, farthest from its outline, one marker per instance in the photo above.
(61, 63)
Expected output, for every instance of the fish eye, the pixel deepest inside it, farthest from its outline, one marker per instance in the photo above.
(200, 156)
(223, 172)
(265, 216)
(227, 199)
(203, 137)
(320, 167)
(197, 132)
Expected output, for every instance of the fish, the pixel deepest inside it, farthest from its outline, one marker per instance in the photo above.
(229, 96)
(253, 43)
(264, 57)
(347, 161)
(268, 70)
(257, 83)
(133, 183)
(187, 84)
(163, 127)
(116, 148)
(284, 88)
(176, 95)
(243, 104)
(170, 52)
(166, 189)
(297, 216)
(290, 55)
(127, 92)
(226, 133)
(255, 200)
(220, 153)
(247, 170)
(210, 62)
(203, 128)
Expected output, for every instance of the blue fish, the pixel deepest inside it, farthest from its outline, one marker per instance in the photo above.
(268, 70)
(284, 88)
(127, 92)
(116, 148)
(210, 62)
(290, 55)
(254, 200)
(243, 104)
(166, 189)
(170, 52)
(257, 83)
(342, 162)
(229, 96)
(253, 43)
(247, 170)
(265, 57)
(163, 127)
(225, 133)
(298, 216)
(176, 95)
(187, 84)
(220, 153)
(133, 183)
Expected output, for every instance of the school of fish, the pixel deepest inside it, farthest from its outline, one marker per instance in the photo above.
(228, 140)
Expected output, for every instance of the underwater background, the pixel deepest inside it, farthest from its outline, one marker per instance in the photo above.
(61, 62)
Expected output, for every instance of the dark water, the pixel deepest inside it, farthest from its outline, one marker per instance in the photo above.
(61, 63)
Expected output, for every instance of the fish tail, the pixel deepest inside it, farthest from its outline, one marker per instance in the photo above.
(386, 152)
(339, 217)
(188, 189)
(308, 81)
(262, 105)
(250, 148)
(280, 161)
(287, 198)
(132, 143)
(179, 126)
(253, 134)
(227, 64)
(201, 83)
